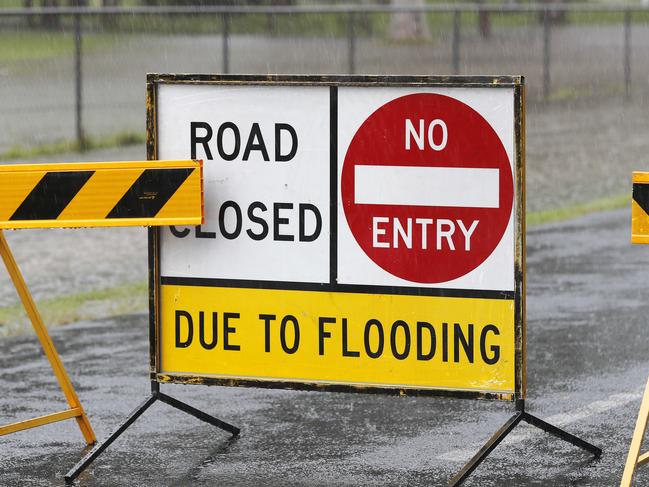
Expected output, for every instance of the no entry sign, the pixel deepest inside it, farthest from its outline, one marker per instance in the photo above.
(427, 188)
(361, 233)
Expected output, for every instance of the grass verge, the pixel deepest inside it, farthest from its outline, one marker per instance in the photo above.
(574, 211)
(38, 45)
(103, 303)
(90, 143)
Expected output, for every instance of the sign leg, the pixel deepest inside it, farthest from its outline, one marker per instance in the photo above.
(100, 447)
(632, 460)
(155, 396)
(199, 414)
(562, 434)
(46, 343)
(487, 448)
(522, 415)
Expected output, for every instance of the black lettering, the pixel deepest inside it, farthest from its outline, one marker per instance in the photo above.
(237, 141)
(322, 334)
(227, 330)
(366, 338)
(421, 326)
(203, 140)
(179, 233)
(251, 145)
(277, 221)
(190, 329)
(201, 234)
(258, 220)
(267, 319)
(296, 334)
(467, 344)
(393, 339)
(494, 348)
(238, 224)
(318, 222)
(346, 351)
(201, 328)
(279, 157)
(444, 342)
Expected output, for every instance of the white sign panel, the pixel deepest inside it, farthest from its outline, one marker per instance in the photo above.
(423, 196)
(266, 161)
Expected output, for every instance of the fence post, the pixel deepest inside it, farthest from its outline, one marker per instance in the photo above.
(546, 54)
(351, 41)
(627, 52)
(78, 80)
(456, 42)
(226, 44)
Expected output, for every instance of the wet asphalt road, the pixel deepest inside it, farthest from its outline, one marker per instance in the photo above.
(587, 365)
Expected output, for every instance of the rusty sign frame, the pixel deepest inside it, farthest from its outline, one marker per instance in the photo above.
(492, 82)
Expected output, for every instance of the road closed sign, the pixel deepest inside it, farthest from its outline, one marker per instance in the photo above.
(361, 233)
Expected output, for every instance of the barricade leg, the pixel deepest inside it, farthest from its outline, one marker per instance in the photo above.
(76, 410)
(634, 459)
(155, 396)
(507, 428)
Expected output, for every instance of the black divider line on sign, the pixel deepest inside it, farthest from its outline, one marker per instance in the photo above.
(149, 193)
(333, 184)
(641, 195)
(326, 287)
(51, 195)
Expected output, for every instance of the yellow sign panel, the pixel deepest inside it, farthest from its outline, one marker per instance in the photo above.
(387, 341)
(640, 208)
(101, 194)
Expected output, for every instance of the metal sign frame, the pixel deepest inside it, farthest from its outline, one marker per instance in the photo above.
(511, 82)
(157, 378)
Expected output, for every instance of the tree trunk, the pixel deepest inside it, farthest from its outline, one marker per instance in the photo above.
(408, 25)
(484, 23)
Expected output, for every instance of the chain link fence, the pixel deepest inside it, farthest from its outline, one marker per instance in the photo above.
(77, 75)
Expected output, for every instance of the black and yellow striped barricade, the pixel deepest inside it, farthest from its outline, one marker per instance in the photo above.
(640, 208)
(639, 235)
(98, 194)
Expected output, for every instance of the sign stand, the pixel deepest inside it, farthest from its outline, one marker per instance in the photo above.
(369, 241)
(156, 395)
(98, 194)
(76, 410)
(508, 427)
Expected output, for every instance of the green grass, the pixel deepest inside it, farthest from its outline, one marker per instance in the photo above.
(40, 45)
(119, 300)
(574, 211)
(91, 143)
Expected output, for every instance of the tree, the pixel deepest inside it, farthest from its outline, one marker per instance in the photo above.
(408, 25)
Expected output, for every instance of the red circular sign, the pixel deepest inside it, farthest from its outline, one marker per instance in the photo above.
(435, 239)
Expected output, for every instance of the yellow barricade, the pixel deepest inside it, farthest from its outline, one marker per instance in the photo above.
(639, 235)
(90, 195)
(640, 208)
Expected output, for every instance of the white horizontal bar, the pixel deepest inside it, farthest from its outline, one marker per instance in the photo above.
(427, 186)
